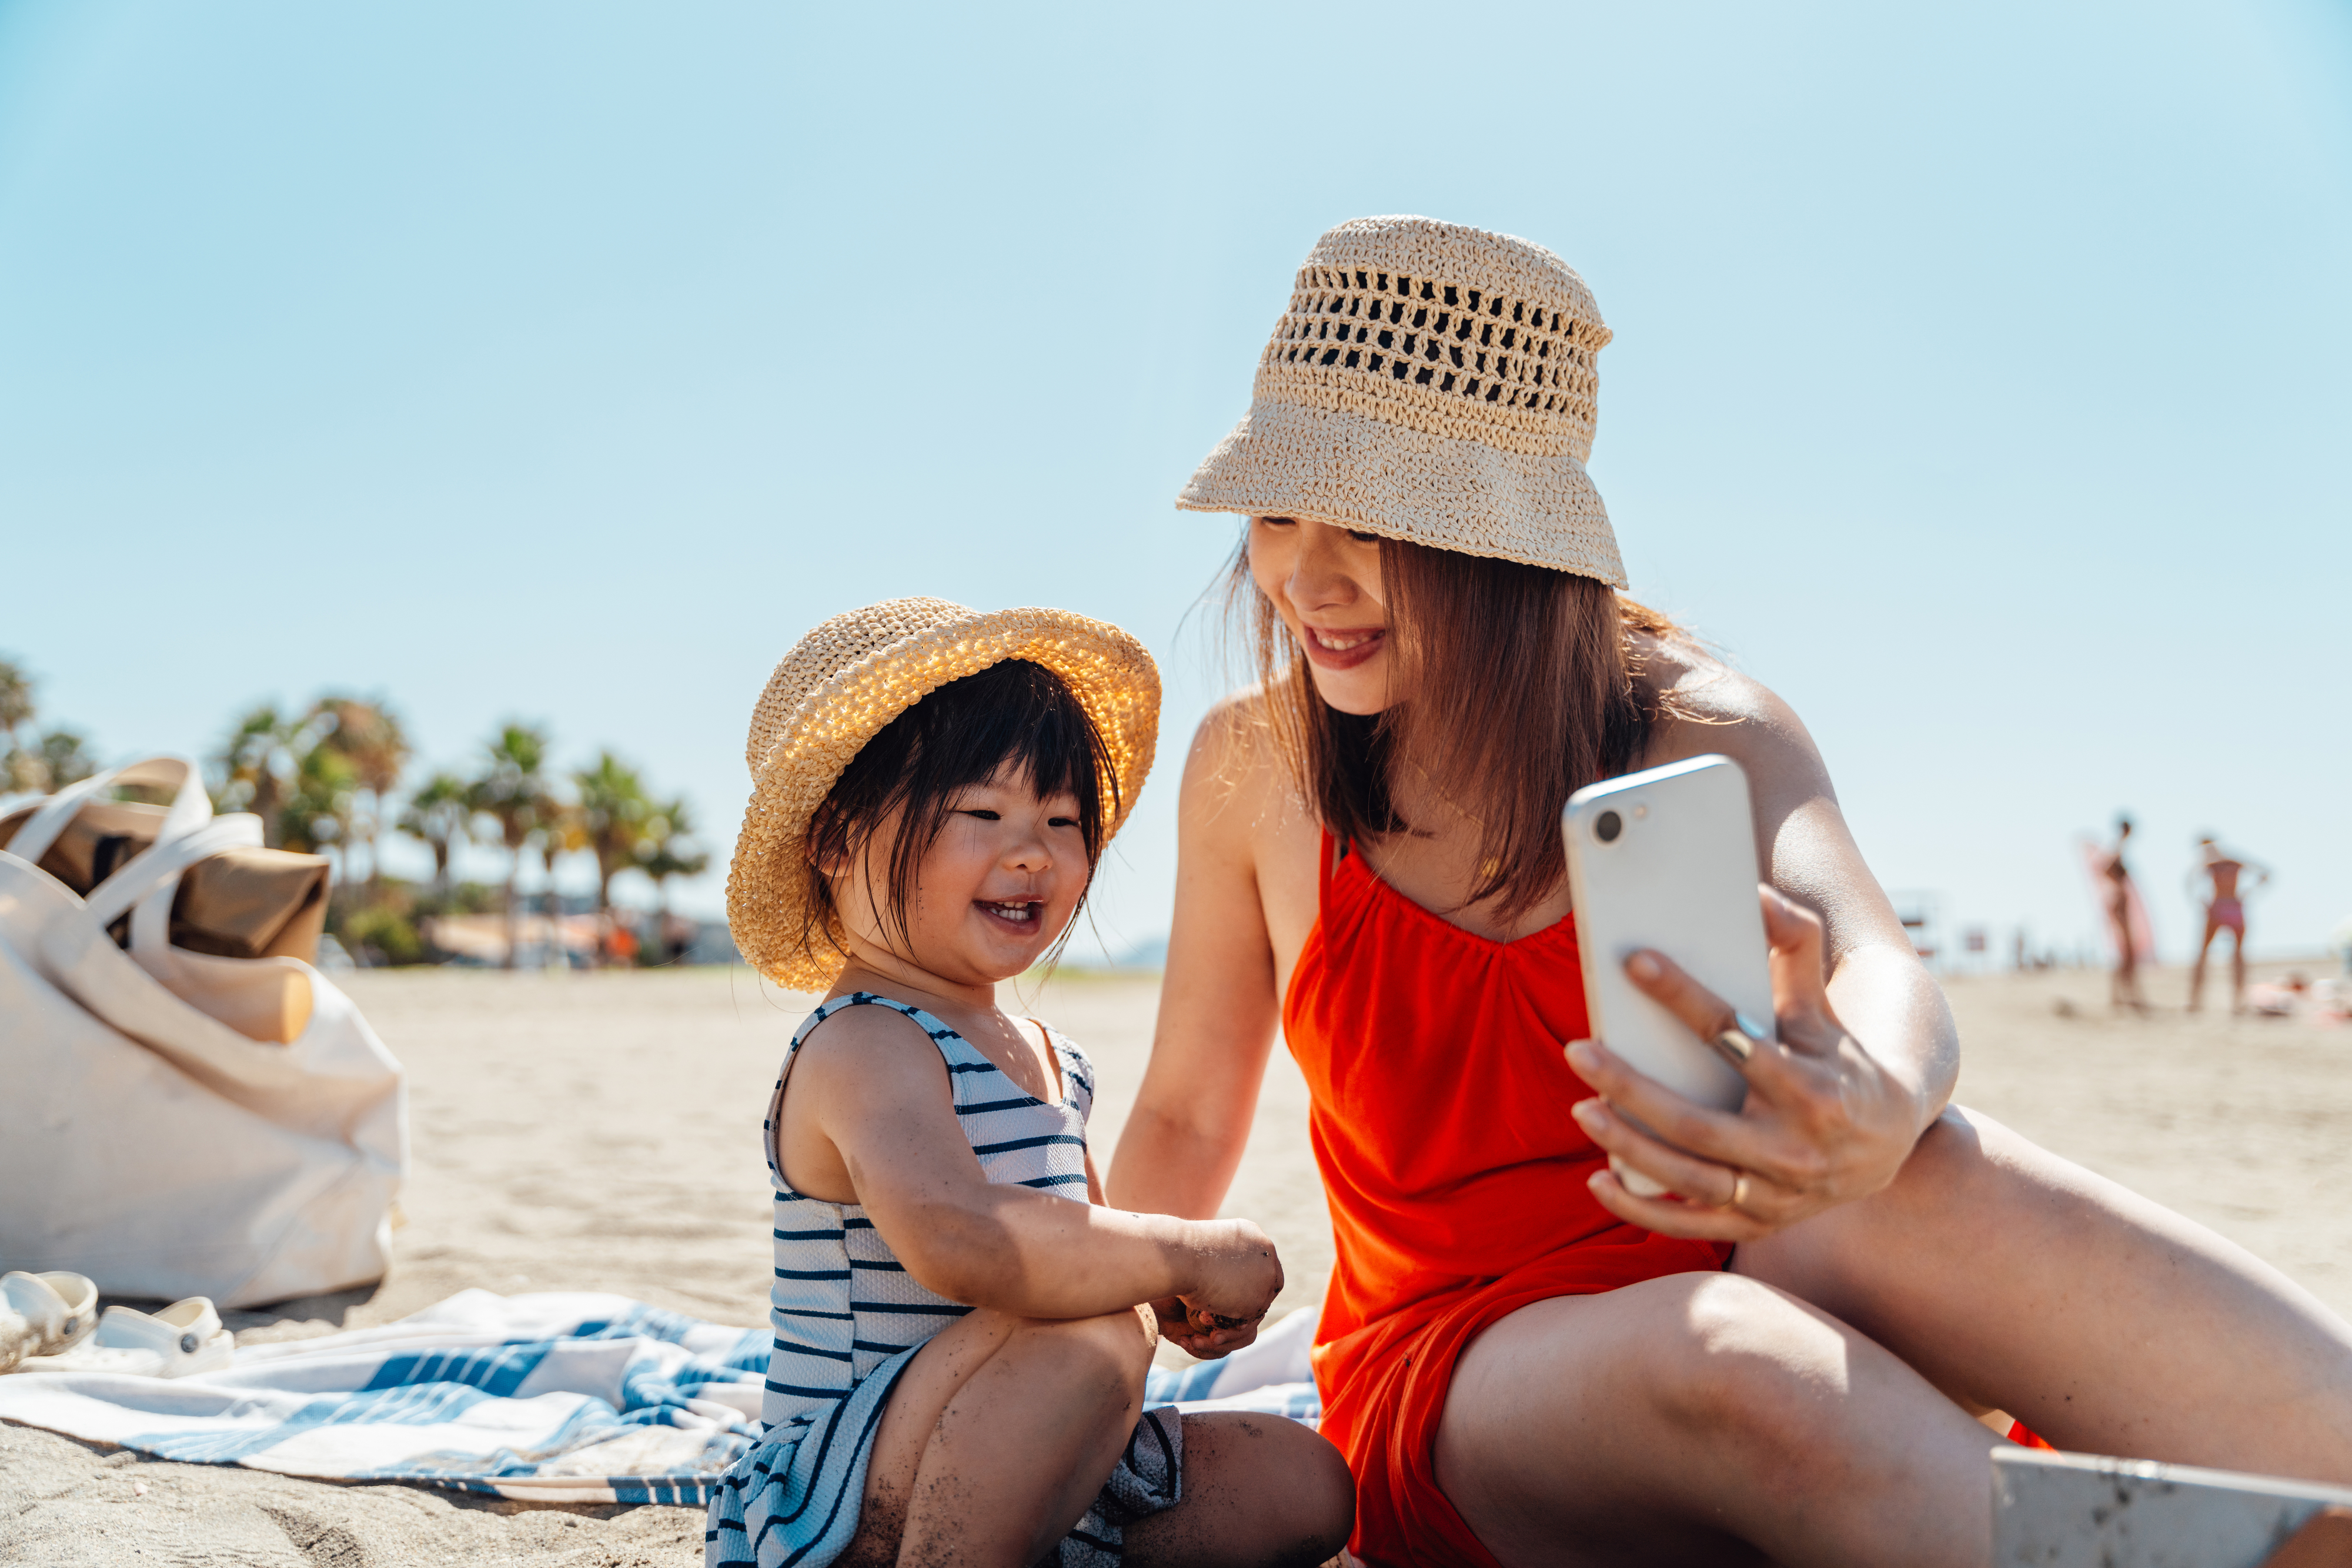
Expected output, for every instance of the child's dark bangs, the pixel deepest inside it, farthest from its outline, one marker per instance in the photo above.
(1013, 714)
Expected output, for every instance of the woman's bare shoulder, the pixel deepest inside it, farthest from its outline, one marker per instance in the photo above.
(1705, 705)
(1234, 729)
(1233, 774)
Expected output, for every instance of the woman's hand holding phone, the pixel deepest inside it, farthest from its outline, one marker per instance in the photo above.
(1824, 1123)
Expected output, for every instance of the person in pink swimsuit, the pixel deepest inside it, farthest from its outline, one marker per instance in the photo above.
(2225, 910)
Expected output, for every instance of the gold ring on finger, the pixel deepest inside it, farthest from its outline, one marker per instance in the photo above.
(1739, 1197)
(1738, 1042)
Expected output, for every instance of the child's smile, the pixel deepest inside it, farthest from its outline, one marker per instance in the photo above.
(1022, 915)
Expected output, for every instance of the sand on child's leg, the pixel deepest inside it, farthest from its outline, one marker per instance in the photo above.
(999, 1435)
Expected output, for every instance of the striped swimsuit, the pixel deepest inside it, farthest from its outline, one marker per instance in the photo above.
(847, 1318)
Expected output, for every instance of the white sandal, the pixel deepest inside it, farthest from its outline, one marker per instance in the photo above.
(184, 1339)
(50, 1312)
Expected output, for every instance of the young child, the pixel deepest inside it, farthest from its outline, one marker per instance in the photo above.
(960, 1350)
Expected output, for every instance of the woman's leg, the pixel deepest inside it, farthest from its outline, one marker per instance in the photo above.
(2123, 990)
(1706, 1419)
(2105, 1322)
(2197, 969)
(998, 1437)
(1259, 1492)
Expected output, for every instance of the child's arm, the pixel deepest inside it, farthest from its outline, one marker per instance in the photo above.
(871, 1085)
(1194, 1331)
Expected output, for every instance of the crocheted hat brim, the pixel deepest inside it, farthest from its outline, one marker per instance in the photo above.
(851, 699)
(1284, 460)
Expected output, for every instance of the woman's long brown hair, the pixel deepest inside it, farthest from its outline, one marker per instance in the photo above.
(1522, 691)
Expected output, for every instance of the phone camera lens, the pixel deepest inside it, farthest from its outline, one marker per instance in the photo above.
(1607, 826)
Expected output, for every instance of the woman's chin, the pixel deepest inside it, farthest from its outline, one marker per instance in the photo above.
(1362, 691)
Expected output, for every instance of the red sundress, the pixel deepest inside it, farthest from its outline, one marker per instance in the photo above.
(1455, 1177)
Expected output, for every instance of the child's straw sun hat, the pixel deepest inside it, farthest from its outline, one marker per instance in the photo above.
(838, 688)
(1429, 382)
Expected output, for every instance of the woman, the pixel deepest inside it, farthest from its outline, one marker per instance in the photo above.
(2123, 989)
(1524, 1362)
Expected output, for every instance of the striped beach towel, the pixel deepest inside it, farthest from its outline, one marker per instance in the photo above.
(556, 1397)
(552, 1397)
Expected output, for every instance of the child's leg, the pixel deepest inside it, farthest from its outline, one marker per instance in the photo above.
(1259, 1492)
(1000, 1434)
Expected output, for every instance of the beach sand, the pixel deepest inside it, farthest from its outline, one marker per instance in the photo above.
(600, 1132)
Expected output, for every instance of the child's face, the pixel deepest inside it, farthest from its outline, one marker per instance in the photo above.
(997, 887)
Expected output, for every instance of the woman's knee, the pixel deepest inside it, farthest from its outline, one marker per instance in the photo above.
(1745, 1363)
(1955, 1156)
(1951, 1195)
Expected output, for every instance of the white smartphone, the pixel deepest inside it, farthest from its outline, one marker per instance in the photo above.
(1665, 859)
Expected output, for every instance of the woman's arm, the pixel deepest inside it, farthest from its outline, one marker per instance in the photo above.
(1218, 1007)
(1871, 1055)
(1876, 983)
(870, 1083)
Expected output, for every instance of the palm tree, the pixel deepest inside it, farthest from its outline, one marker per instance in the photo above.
(17, 710)
(561, 831)
(667, 849)
(437, 813)
(613, 806)
(62, 757)
(512, 791)
(54, 761)
(368, 736)
(253, 764)
(317, 810)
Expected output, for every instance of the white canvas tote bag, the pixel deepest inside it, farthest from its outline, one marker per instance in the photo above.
(148, 1140)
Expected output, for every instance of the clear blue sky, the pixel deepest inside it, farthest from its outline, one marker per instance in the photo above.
(1981, 374)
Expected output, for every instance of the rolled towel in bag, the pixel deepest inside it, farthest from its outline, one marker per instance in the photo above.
(241, 903)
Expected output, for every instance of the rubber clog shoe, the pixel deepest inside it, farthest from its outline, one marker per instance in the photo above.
(182, 1340)
(60, 1307)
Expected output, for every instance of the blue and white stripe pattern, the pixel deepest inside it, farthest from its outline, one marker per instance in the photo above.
(841, 1304)
(552, 1397)
(847, 1317)
(573, 1397)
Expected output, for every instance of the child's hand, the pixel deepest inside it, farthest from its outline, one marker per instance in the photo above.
(1198, 1333)
(1240, 1278)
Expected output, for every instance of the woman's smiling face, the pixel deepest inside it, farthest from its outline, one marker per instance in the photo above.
(1324, 580)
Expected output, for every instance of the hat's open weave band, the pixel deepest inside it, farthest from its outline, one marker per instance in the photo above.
(1429, 382)
(1447, 359)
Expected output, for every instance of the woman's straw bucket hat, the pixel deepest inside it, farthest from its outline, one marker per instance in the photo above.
(1429, 382)
(837, 689)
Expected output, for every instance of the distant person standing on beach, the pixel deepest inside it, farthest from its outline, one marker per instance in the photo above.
(2123, 991)
(2224, 911)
